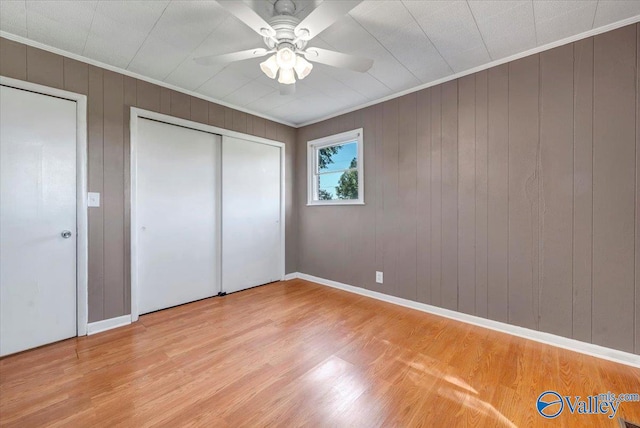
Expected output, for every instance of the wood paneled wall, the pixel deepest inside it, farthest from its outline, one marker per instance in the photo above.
(109, 97)
(511, 194)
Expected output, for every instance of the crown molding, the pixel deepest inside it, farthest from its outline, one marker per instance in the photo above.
(538, 49)
(533, 51)
(90, 61)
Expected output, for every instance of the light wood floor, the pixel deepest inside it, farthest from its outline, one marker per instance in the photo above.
(299, 354)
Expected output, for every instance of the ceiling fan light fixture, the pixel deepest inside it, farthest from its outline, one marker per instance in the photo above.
(303, 34)
(270, 67)
(286, 76)
(302, 67)
(286, 36)
(286, 58)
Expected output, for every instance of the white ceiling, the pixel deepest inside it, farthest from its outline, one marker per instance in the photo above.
(412, 42)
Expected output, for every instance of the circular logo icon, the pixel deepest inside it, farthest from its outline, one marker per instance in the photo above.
(549, 404)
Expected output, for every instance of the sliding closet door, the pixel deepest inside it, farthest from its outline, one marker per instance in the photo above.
(176, 211)
(251, 233)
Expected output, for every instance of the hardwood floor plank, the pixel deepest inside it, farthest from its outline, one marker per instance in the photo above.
(299, 354)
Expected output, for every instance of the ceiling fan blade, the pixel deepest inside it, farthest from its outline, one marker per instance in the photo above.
(287, 89)
(328, 12)
(231, 57)
(337, 59)
(244, 13)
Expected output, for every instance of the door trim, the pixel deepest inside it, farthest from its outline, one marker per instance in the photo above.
(137, 113)
(82, 241)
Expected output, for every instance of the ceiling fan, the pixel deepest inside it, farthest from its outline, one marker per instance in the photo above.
(286, 37)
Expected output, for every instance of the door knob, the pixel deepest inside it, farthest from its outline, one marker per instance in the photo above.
(66, 234)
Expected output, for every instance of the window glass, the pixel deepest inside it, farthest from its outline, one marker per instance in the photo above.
(338, 158)
(338, 185)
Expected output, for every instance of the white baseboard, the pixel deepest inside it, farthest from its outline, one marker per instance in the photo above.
(291, 276)
(109, 324)
(539, 336)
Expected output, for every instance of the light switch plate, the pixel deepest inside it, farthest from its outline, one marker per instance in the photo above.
(93, 199)
(379, 277)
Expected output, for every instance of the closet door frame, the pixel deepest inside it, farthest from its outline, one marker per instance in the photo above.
(136, 114)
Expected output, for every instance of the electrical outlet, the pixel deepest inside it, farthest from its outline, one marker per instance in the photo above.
(379, 278)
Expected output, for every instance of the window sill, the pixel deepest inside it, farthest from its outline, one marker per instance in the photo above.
(333, 204)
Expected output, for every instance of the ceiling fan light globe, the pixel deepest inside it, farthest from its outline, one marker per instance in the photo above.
(286, 58)
(302, 67)
(286, 76)
(270, 67)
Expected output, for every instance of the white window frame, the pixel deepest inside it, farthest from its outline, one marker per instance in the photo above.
(312, 164)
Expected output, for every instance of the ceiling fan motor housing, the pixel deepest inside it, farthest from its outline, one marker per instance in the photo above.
(284, 25)
(284, 7)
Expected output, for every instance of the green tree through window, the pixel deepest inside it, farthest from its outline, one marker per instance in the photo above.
(347, 187)
(324, 195)
(325, 156)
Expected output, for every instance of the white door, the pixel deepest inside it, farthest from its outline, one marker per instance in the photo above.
(176, 213)
(37, 219)
(251, 234)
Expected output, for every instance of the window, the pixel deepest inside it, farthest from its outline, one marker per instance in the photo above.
(335, 168)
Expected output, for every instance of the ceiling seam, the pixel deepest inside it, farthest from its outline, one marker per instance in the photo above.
(595, 13)
(147, 36)
(298, 99)
(427, 37)
(535, 24)
(26, 18)
(219, 71)
(209, 79)
(196, 48)
(289, 101)
(385, 48)
(86, 39)
(479, 32)
(251, 80)
(346, 85)
(26, 24)
(264, 96)
(368, 72)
